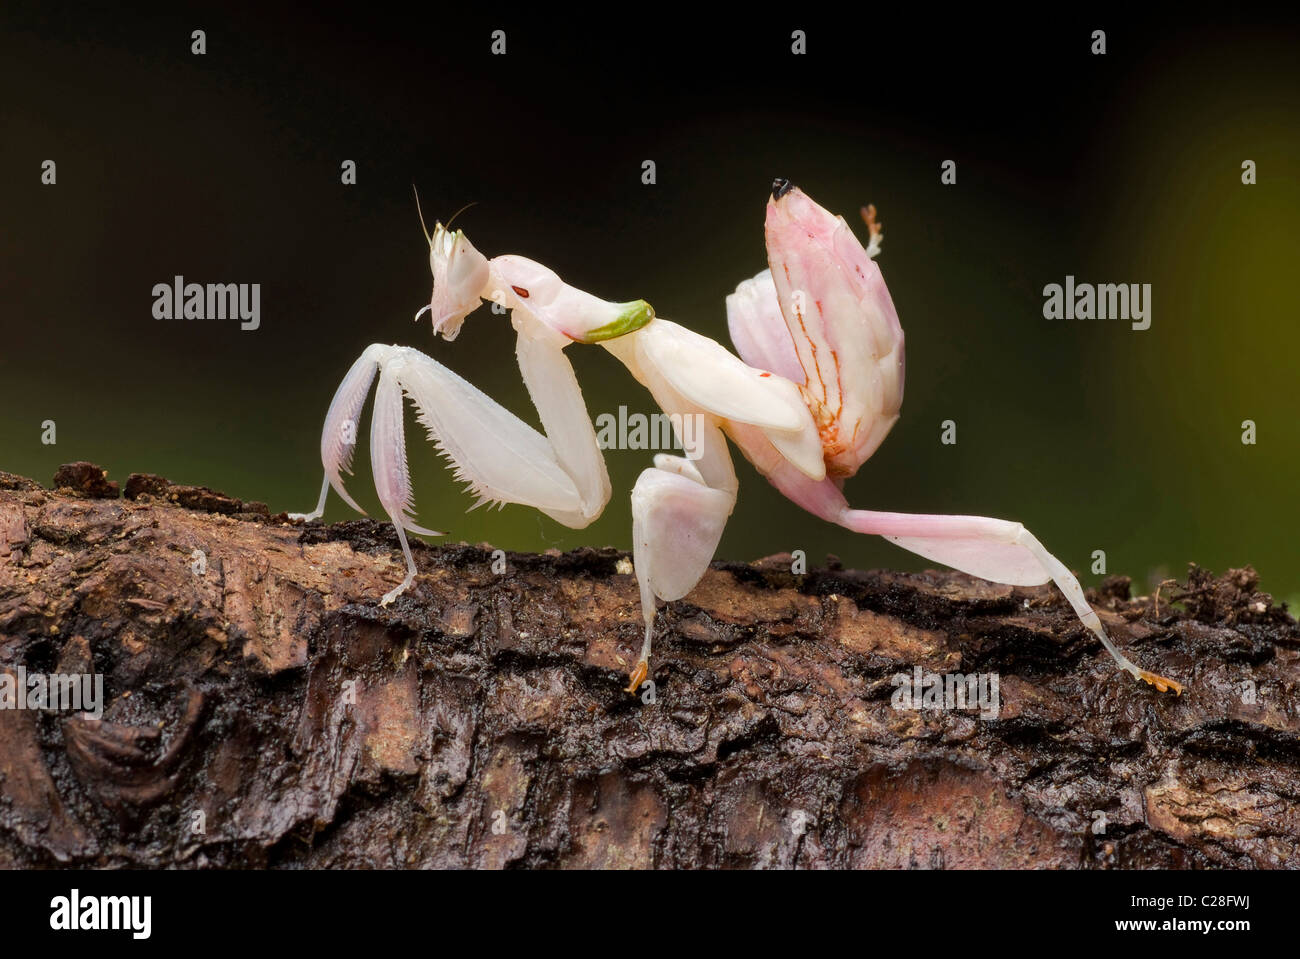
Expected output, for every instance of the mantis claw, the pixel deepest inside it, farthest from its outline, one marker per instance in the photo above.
(1162, 683)
(637, 677)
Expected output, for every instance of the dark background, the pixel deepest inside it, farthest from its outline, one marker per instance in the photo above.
(1117, 168)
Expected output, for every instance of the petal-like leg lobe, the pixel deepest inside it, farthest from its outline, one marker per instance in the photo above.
(388, 461)
(677, 522)
(342, 423)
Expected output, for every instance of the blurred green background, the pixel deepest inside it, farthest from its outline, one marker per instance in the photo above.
(1117, 168)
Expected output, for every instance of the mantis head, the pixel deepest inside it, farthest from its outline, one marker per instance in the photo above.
(460, 275)
(535, 294)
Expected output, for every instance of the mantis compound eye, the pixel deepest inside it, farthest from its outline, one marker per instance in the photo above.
(780, 187)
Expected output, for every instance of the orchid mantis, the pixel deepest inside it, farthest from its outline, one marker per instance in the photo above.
(817, 386)
(500, 457)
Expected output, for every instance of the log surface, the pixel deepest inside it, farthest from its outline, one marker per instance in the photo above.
(262, 710)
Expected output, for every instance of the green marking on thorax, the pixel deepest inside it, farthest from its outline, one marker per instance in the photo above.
(634, 315)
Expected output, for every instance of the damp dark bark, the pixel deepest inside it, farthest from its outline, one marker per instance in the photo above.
(261, 709)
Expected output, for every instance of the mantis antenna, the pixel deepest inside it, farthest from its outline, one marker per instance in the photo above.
(428, 239)
(460, 211)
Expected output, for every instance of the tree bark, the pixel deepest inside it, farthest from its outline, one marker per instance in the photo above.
(261, 709)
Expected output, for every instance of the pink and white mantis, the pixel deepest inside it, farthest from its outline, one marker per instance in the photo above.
(818, 385)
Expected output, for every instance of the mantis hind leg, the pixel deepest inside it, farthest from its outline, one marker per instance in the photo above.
(994, 549)
(997, 550)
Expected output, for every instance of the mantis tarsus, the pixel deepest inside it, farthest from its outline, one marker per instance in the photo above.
(817, 386)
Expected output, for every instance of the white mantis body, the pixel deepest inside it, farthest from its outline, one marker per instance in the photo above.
(818, 386)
